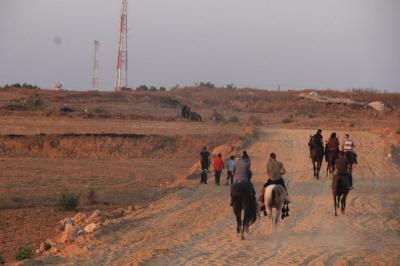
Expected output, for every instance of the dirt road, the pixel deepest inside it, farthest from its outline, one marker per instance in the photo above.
(196, 226)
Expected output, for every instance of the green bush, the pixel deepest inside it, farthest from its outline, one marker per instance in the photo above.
(68, 201)
(23, 253)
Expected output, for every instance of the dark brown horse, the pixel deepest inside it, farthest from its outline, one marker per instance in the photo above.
(340, 190)
(317, 156)
(331, 157)
(244, 198)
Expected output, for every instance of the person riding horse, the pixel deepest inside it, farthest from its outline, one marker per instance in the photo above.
(342, 167)
(275, 171)
(316, 140)
(347, 147)
(332, 145)
(243, 195)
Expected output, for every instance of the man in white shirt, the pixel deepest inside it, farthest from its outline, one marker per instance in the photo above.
(230, 165)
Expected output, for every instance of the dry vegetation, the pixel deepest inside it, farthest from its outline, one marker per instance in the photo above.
(130, 148)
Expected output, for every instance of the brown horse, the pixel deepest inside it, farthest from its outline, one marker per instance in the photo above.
(331, 157)
(317, 156)
(339, 192)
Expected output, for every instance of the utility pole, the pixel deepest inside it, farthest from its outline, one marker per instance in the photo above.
(95, 81)
(122, 56)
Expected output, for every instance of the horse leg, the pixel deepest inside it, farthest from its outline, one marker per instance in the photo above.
(319, 163)
(271, 221)
(334, 204)
(238, 213)
(343, 207)
(242, 230)
(314, 168)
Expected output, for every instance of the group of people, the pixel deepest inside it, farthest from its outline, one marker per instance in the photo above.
(239, 171)
(345, 157)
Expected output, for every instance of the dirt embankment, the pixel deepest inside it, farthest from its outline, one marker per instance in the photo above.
(101, 146)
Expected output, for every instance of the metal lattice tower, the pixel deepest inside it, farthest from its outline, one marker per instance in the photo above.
(95, 81)
(121, 76)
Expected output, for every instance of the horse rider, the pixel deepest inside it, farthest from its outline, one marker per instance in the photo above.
(347, 147)
(342, 168)
(316, 140)
(242, 172)
(275, 171)
(205, 164)
(332, 145)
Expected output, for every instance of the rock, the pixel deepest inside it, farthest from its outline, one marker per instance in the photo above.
(378, 106)
(53, 251)
(79, 219)
(69, 234)
(90, 228)
(129, 209)
(44, 246)
(118, 213)
(2, 260)
(96, 217)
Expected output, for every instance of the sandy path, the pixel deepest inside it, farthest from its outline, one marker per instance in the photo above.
(196, 226)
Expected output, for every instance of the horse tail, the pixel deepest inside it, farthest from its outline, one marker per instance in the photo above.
(273, 198)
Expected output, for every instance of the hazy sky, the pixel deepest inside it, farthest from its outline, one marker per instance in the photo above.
(257, 43)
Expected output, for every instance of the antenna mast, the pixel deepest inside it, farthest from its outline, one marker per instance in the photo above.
(122, 56)
(95, 81)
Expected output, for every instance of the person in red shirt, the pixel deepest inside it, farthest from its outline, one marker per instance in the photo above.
(218, 166)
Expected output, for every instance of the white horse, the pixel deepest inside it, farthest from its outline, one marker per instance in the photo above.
(274, 197)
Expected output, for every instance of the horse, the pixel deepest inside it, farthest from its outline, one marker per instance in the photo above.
(274, 197)
(317, 156)
(244, 198)
(331, 157)
(340, 190)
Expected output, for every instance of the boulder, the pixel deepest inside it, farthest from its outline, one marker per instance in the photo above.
(90, 228)
(378, 106)
(44, 246)
(70, 233)
(96, 217)
(2, 260)
(118, 213)
(79, 219)
(129, 209)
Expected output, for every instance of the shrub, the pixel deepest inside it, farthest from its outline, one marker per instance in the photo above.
(256, 120)
(68, 201)
(163, 89)
(233, 119)
(207, 85)
(24, 253)
(288, 119)
(35, 103)
(217, 117)
(142, 88)
(231, 87)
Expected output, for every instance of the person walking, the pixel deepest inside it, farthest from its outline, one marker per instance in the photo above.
(205, 164)
(230, 165)
(218, 166)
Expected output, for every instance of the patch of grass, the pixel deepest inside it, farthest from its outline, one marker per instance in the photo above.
(24, 253)
(68, 201)
(288, 119)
